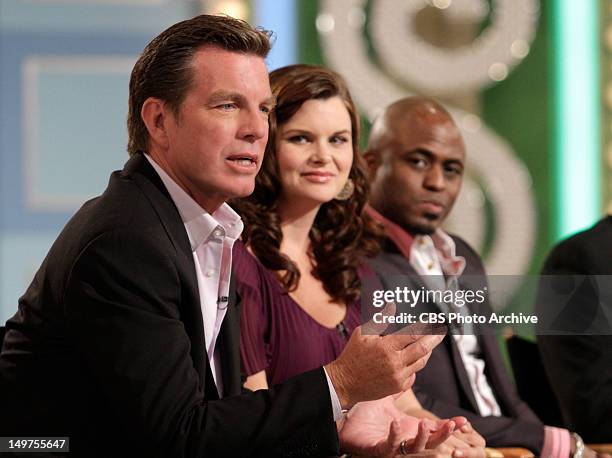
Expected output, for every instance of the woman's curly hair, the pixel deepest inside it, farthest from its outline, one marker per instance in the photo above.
(342, 235)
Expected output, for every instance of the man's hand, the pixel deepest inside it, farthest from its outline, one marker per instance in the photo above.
(468, 435)
(463, 443)
(590, 453)
(375, 366)
(378, 428)
(456, 447)
(468, 441)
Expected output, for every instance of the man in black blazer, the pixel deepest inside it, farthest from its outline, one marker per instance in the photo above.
(417, 156)
(579, 366)
(126, 340)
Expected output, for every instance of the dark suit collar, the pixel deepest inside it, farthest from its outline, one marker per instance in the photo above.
(495, 371)
(462, 376)
(140, 170)
(146, 178)
(405, 268)
(388, 246)
(227, 341)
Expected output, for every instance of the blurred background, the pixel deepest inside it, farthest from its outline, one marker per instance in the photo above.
(528, 81)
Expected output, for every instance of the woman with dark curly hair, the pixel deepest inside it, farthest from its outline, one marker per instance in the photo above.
(301, 264)
(306, 227)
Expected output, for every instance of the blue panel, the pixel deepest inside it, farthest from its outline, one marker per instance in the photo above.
(123, 16)
(280, 17)
(20, 256)
(82, 125)
(14, 49)
(80, 134)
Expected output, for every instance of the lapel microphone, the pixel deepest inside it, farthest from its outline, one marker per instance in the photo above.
(222, 300)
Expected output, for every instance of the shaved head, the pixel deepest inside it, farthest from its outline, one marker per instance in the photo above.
(399, 114)
(416, 157)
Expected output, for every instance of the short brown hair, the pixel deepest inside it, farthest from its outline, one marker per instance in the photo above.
(164, 68)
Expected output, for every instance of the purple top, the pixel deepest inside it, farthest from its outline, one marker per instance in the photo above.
(276, 334)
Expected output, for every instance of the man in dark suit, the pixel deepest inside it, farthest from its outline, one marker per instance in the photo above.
(417, 156)
(579, 366)
(126, 340)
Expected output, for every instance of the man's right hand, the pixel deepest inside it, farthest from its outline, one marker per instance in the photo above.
(374, 366)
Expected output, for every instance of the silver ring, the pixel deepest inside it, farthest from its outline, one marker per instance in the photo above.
(402, 448)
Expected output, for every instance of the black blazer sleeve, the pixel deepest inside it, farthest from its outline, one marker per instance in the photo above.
(123, 308)
(579, 370)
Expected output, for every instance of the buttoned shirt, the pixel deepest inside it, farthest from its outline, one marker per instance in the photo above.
(211, 237)
(434, 258)
(436, 255)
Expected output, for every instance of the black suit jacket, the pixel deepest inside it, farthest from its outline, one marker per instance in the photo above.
(107, 346)
(443, 386)
(580, 366)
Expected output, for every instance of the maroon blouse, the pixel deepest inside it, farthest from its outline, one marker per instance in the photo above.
(276, 334)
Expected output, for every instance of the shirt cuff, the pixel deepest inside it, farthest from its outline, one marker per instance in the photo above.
(335, 401)
(557, 442)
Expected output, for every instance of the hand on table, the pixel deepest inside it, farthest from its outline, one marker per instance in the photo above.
(464, 440)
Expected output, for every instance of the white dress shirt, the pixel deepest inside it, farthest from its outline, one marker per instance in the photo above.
(212, 238)
(426, 260)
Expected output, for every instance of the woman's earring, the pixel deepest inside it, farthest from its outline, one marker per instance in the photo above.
(347, 190)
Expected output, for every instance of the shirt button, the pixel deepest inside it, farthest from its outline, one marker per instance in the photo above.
(217, 233)
(209, 273)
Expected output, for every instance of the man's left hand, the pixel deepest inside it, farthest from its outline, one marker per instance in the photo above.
(378, 429)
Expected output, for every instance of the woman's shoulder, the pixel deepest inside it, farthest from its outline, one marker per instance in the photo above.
(245, 266)
(240, 250)
(248, 269)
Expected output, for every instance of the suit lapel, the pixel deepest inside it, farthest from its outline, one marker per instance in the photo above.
(487, 343)
(229, 338)
(404, 268)
(140, 170)
(496, 373)
(460, 372)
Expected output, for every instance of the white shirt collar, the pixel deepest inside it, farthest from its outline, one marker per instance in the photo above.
(439, 239)
(440, 249)
(200, 224)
